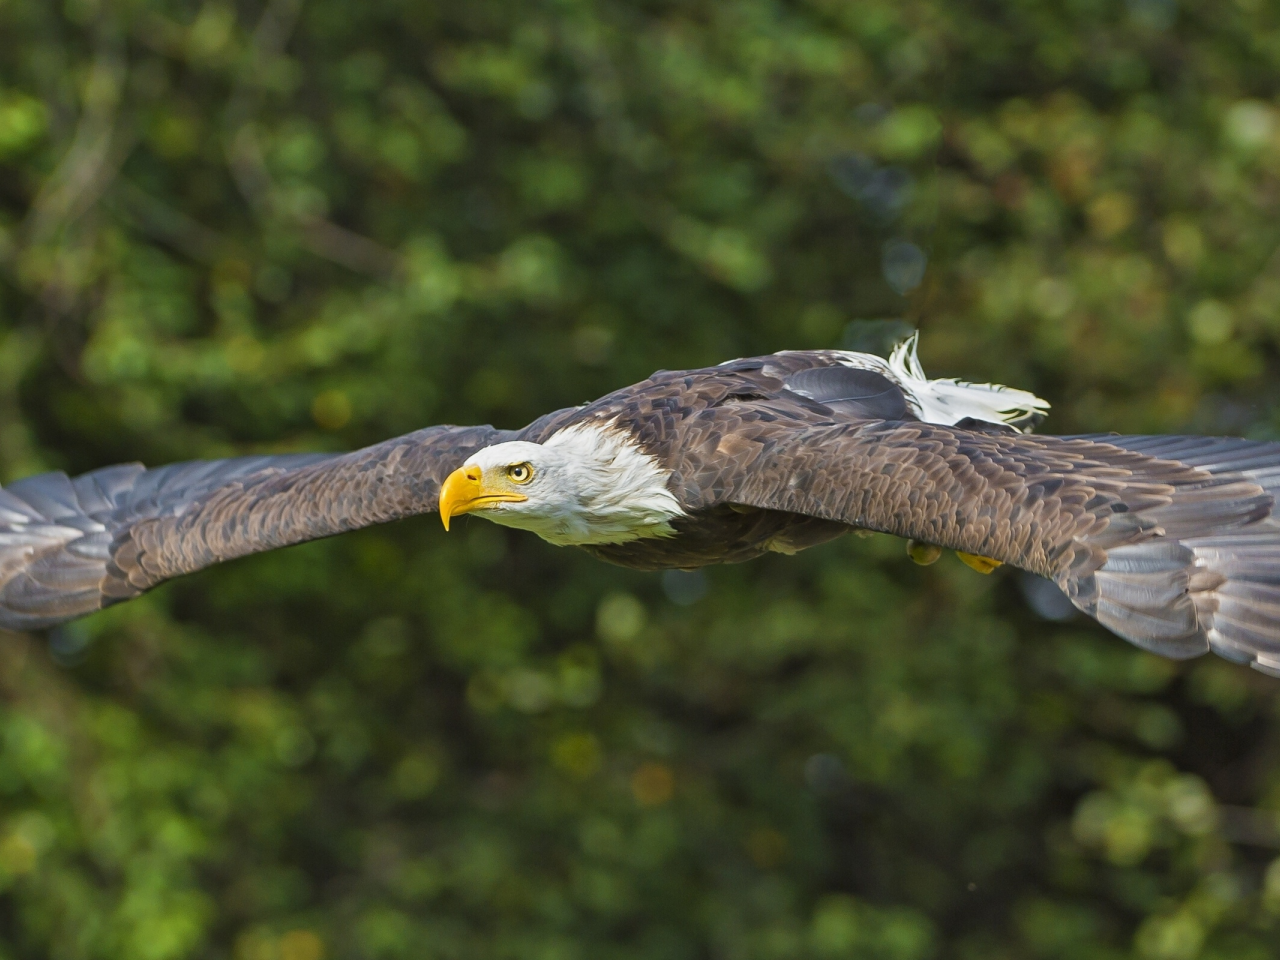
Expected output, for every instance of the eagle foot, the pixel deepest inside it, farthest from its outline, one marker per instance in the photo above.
(923, 553)
(981, 564)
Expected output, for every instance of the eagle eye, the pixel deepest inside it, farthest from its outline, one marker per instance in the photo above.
(520, 472)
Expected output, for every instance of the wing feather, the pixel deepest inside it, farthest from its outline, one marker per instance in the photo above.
(71, 546)
(1171, 542)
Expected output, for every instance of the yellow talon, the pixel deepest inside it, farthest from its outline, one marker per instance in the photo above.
(981, 564)
(923, 553)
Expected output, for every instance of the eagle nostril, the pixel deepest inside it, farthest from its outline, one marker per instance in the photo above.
(473, 474)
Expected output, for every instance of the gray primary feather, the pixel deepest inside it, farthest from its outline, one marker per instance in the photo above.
(1171, 542)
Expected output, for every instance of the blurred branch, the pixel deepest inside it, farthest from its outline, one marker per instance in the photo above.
(166, 223)
(249, 168)
(97, 149)
(49, 256)
(348, 248)
(1249, 827)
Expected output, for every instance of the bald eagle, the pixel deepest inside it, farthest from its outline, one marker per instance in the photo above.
(1171, 542)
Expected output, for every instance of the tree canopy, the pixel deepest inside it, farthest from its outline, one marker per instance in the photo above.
(231, 227)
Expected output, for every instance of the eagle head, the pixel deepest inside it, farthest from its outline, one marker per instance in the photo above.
(588, 483)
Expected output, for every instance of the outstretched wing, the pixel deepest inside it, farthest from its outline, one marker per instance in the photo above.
(1170, 542)
(72, 546)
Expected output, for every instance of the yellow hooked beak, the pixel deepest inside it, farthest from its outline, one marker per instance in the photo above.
(464, 490)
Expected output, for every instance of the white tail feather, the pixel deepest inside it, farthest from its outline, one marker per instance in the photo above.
(950, 401)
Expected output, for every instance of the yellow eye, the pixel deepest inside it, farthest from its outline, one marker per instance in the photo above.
(520, 472)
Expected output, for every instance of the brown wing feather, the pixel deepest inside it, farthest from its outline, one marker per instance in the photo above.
(1178, 558)
(1040, 503)
(71, 546)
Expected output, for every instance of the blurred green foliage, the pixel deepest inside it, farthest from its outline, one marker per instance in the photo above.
(236, 226)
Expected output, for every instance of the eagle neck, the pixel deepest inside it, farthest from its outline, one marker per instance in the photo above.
(621, 492)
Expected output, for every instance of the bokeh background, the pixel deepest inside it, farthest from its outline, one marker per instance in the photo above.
(233, 227)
